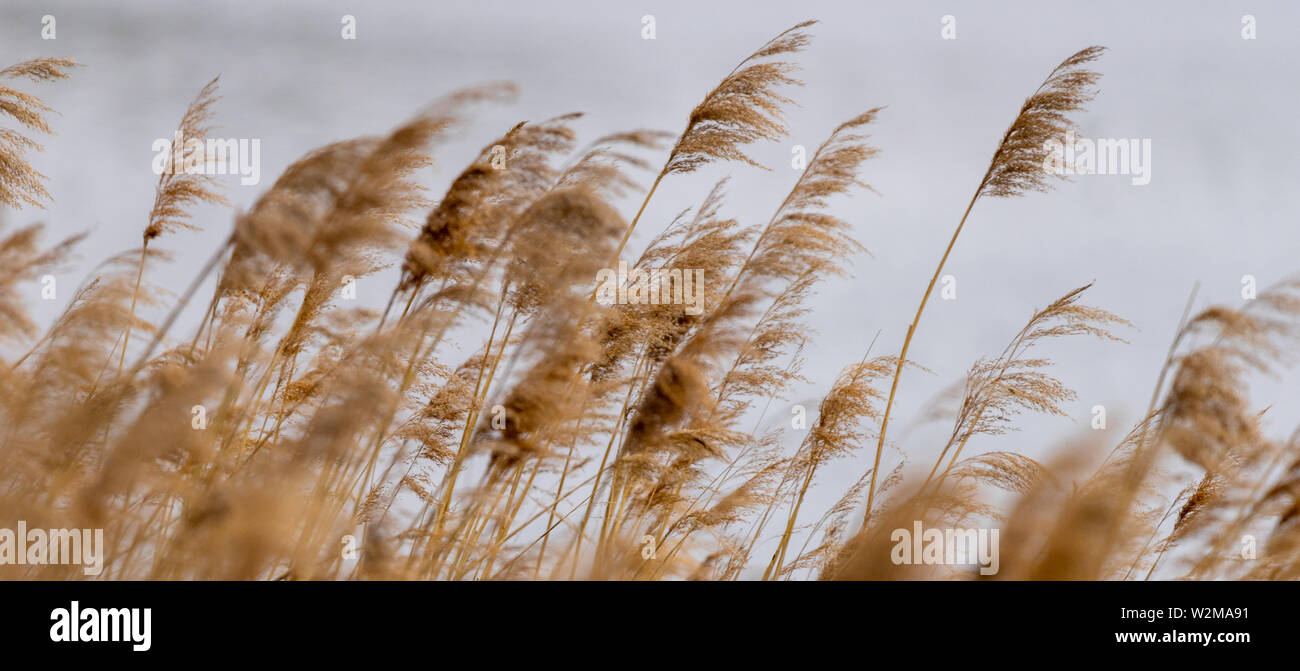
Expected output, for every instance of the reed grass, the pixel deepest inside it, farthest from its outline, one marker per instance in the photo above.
(578, 439)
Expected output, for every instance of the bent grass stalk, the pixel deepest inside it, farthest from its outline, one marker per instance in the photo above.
(902, 360)
(1017, 166)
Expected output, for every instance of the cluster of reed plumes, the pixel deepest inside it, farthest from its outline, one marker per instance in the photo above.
(292, 436)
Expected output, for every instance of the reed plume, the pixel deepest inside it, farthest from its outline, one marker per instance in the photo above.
(185, 180)
(20, 184)
(743, 108)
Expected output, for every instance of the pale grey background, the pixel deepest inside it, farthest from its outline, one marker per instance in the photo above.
(1220, 111)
